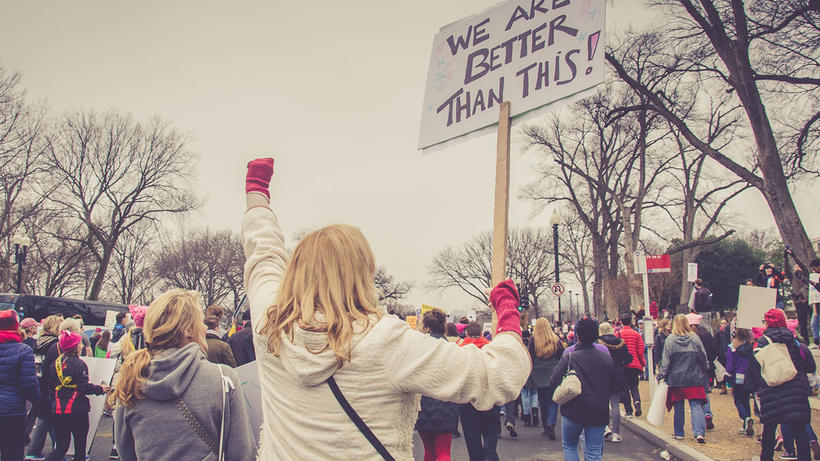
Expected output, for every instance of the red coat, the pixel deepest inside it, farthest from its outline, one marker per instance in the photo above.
(634, 342)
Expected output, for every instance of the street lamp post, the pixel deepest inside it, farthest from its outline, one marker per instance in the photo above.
(21, 243)
(577, 303)
(554, 221)
(571, 312)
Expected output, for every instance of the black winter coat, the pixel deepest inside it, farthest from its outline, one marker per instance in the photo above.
(596, 370)
(44, 355)
(18, 381)
(242, 346)
(709, 346)
(620, 356)
(70, 400)
(437, 415)
(787, 403)
(722, 340)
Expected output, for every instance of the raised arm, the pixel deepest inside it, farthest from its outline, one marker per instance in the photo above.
(492, 375)
(262, 240)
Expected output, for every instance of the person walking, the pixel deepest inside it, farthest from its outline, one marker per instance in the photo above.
(684, 368)
(30, 326)
(738, 354)
(621, 358)
(241, 342)
(437, 419)
(172, 384)
(320, 327)
(545, 350)
(723, 338)
(101, 346)
(635, 345)
(70, 407)
(787, 403)
(708, 342)
(217, 350)
(589, 411)
(18, 384)
(42, 409)
(664, 330)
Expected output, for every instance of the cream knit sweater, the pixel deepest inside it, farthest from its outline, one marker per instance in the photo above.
(391, 366)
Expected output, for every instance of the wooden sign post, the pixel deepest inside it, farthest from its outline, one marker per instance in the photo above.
(502, 198)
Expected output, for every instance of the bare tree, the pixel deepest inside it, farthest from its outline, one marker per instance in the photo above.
(601, 164)
(210, 263)
(22, 146)
(575, 243)
(529, 257)
(113, 173)
(763, 52)
(390, 289)
(132, 279)
(57, 262)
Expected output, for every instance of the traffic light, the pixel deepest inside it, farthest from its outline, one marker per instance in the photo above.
(525, 300)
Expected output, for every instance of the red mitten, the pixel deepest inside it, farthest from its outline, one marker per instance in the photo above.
(505, 300)
(260, 171)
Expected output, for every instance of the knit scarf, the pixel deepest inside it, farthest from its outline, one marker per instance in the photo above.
(10, 336)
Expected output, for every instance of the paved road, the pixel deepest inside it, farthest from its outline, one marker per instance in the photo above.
(529, 446)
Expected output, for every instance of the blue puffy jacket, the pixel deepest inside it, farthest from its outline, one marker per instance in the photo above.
(18, 381)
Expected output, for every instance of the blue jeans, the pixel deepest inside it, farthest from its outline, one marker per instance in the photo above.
(698, 418)
(549, 409)
(815, 326)
(593, 440)
(478, 425)
(529, 399)
(741, 397)
(707, 408)
(788, 436)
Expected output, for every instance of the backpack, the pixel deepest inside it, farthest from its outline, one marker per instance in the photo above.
(776, 366)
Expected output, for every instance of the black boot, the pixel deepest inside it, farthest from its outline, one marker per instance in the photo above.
(527, 420)
(534, 413)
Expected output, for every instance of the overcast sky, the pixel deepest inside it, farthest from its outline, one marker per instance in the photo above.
(332, 90)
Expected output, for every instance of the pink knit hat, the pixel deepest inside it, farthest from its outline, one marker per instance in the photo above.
(138, 314)
(694, 319)
(69, 340)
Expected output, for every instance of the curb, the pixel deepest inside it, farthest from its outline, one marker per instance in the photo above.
(662, 440)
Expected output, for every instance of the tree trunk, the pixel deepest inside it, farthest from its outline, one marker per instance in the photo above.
(99, 277)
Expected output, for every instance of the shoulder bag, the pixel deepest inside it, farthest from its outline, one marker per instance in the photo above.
(776, 366)
(216, 448)
(357, 420)
(570, 386)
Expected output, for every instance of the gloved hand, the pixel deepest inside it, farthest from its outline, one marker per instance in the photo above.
(257, 179)
(505, 301)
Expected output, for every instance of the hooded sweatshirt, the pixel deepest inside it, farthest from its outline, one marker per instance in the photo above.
(620, 356)
(142, 430)
(684, 361)
(390, 366)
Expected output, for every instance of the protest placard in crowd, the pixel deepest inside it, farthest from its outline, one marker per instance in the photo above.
(531, 53)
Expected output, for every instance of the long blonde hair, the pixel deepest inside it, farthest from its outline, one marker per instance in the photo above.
(680, 326)
(545, 340)
(331, 273)
(51, 324)
(172, 320)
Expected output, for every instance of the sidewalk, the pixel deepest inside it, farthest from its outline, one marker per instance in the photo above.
(723, 443)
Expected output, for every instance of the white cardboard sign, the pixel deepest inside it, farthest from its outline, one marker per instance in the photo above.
(752, 304)
(814, 295)
(531, 53)
(692, 272)
(100, 372)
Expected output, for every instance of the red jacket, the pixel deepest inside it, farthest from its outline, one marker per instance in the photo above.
(634, 342)
(479, 342)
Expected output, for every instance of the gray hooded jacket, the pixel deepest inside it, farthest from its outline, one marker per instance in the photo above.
(154, 428)
(684, 361)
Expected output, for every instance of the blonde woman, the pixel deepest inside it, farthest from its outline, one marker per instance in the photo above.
(683, 367)
(545, 349)
(43, 362)
(171, 384)
(317, 318)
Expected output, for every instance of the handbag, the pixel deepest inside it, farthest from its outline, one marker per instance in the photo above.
(657, 407)
(570, 386)
(215, 447)
(357, 420)
(776, 366)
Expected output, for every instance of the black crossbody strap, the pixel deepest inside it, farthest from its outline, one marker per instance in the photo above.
(351, 413)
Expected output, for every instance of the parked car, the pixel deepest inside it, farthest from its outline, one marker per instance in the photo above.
(40, 307)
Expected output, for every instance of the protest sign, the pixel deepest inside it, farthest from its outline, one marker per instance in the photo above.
(752, 304)
(99, 372)
(426, 308)
(814, 295)
(249, 382)
(111, 318)
(531, 53)
(692, 272)
(411, 320)
(471, 316)
(488, 327)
